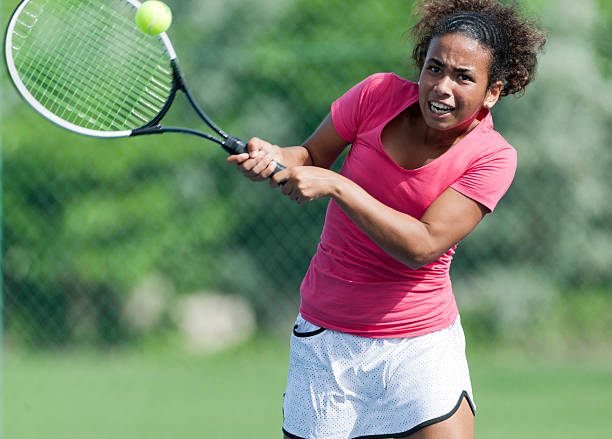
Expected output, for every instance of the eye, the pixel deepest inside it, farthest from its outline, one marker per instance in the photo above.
(433, 68)
(465, 78)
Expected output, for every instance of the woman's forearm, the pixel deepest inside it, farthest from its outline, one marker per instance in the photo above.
(291, 156)
(400, 235)
(414, 242)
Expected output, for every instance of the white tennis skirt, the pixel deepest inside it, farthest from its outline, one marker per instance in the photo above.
(343, 386)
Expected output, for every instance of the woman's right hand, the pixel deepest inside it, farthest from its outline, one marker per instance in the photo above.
(259, 162)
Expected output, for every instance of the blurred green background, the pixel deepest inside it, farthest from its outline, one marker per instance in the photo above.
(149, 290)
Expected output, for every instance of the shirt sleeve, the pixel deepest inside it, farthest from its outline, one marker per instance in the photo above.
(489, 177)
(346, 111)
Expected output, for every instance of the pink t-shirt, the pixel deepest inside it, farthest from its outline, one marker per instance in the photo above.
(352, 285)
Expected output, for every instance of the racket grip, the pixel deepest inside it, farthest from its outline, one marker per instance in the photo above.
(234, 145)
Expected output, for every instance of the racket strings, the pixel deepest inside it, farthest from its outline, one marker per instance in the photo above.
(98, 82)
(40, 73)
(93, 81)
(148, 100)
(66, 95)
(86, 62)
(65, 100)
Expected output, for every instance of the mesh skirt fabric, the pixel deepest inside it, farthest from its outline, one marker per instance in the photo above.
(343, 386)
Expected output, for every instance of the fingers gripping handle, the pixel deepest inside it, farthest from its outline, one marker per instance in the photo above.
(234, 145)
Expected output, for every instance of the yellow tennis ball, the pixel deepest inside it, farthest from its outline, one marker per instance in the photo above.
(153, 17)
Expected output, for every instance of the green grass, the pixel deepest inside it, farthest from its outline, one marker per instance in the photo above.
(522, 396)
(127, 395)
(239, 393)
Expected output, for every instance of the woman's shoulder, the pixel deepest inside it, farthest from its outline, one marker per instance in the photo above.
(488, 138)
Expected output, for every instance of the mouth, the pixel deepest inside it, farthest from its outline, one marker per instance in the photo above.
(439, 108)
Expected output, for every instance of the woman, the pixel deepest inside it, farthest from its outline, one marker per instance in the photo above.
(378, 349)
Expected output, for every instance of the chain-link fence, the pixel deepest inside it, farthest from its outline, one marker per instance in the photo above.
(105, 240)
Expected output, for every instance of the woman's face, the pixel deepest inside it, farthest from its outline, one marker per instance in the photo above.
(453, 82)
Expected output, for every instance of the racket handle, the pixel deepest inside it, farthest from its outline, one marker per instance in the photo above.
(234, 145)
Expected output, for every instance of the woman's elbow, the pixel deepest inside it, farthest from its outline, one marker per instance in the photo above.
(417, 258)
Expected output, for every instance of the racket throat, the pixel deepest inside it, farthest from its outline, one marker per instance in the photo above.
(231, 144)
(154, 129)
(177, 75)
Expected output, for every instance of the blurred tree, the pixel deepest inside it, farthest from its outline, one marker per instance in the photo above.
(86, 220)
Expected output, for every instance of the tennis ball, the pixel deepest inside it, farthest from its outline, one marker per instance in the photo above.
(153, 17)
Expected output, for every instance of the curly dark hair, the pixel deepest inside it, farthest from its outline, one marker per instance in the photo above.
(514, 40)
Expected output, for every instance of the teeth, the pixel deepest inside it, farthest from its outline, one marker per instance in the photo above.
(439, 108)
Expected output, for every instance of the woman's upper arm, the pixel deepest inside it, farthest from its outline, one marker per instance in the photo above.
(449, 219)
(325, 144)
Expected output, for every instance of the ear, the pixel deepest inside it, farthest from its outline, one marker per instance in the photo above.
(493, 93)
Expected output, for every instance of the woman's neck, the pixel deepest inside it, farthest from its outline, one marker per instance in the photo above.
(446, 138)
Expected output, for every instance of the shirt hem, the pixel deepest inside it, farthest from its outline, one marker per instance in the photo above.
(370, 333)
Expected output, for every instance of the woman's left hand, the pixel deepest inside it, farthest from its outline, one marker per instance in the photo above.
(306, 183)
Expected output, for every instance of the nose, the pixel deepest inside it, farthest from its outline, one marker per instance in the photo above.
(443, 86)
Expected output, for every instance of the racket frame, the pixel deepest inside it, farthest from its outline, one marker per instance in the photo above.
(229, 143)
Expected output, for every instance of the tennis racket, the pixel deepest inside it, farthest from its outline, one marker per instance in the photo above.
(85, 66)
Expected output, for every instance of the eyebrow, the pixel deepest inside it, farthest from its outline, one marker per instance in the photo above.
(456, 69)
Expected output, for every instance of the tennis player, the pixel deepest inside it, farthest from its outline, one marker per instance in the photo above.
(377, 350)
